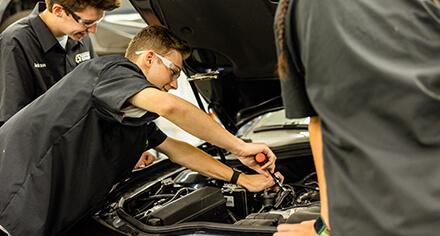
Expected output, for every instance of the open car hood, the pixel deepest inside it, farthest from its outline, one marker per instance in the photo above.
(234, 57)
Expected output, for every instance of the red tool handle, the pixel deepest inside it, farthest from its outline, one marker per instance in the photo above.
(261, 159)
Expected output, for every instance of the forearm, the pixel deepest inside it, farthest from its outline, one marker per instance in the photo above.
(186, 116)
(199, 124)
(316, 145)
(195, 159)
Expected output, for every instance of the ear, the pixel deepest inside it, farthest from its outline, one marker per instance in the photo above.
(148, 57)
(57, 9)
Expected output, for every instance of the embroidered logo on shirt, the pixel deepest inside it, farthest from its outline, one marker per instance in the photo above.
(39, 65)
(84, 56)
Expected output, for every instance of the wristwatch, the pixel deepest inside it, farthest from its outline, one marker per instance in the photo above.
(234, 177)
(321, 228)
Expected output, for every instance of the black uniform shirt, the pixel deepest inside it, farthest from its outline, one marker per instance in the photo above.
(372, 74)
(32, 60)
(63, 152)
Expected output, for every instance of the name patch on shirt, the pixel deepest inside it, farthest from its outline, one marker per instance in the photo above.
(39, 65)
(84, 56)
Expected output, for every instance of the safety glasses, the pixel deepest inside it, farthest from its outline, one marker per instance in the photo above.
(86, 23)
(175, 70)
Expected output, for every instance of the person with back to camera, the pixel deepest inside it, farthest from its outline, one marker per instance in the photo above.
(367, 73)
(62, 153)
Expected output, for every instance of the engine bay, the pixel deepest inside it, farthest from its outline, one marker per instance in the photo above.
(188, 197)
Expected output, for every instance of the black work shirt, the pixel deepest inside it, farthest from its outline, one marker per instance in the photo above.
(32, 60)
(372, 74)
(63, 152)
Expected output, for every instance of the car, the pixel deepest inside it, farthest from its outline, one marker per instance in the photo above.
(13, 10)
(116, 30)
(232, 68)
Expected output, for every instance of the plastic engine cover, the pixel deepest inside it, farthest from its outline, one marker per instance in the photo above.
(207, 204)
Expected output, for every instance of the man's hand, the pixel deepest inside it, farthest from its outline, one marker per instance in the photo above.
(145, 159)
(305, 228)
(247, 156)
(256, 183)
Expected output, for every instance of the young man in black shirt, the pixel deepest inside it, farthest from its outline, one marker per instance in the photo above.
(367, 73)
(40, 49)
(62, 153)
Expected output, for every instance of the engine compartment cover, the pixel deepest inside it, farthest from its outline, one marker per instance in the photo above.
(204, 203)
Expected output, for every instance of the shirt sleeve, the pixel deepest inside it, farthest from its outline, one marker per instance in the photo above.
(155, 136)
(295, 100)
(16, 80)
(116, 84)
(293, 88)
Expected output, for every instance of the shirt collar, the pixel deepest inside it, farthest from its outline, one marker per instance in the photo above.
(39, 7)
(45, 37)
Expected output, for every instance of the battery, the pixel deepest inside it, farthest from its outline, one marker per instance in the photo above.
(236, 200)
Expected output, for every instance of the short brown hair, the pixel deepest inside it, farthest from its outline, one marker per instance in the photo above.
(158, 39)
(80, 5)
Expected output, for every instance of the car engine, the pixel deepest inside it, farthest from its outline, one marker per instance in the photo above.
(167, 199)
(189, 197)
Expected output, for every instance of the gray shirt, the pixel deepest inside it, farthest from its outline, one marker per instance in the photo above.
(61, 154)
(371, 72)
(32, 60)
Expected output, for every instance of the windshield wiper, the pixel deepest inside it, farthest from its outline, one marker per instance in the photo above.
(280, 127)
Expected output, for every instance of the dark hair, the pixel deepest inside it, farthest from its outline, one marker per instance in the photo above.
(80, 5)
(158, 39)
(280, 24)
